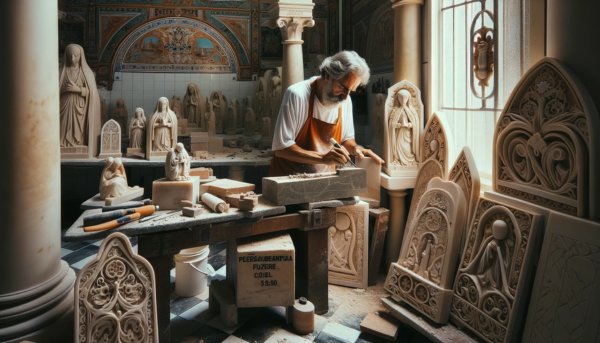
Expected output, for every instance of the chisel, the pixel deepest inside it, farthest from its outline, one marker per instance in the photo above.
(112, 224)
(337, 145)
(100, 218)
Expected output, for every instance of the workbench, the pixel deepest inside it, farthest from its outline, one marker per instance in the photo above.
(159, 242)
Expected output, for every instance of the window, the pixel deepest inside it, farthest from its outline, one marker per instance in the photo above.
(480, 51)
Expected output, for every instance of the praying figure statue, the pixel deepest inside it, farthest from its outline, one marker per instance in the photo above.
(113, 182)
(217, 101)
(177, 164)
(162, 133)
(209, 119)
(403, 131)
(249, 122)
(137, 129)
(193, 105)
(120, 114)
(266, 128)
(79, 102)
(176, 106)
(231, 121)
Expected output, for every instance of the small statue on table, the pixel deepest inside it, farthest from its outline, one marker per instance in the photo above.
(113, 182)
(177, 165)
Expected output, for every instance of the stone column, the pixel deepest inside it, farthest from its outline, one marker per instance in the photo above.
(393, 241)
(291, 17)
(36, 287)
(407, 41)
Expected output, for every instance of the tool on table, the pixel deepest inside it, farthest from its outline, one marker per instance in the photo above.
(127, 205)
(167, 215)
(113, 224)
(337, 145)
(104, 217)
(156, 216)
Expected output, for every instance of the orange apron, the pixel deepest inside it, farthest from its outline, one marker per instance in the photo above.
(314, 136)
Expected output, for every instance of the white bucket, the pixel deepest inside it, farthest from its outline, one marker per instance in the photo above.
(190, 282)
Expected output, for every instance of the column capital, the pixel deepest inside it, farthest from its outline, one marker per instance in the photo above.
(396, 3)
(291, 17)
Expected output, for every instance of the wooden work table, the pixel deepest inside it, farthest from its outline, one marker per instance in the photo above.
(159, 242)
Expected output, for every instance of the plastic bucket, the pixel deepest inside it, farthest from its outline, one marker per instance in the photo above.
(189, 281)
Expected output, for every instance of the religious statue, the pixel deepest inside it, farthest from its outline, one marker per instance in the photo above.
(120, 114)
(493, 261)
(220, 108)
(176, 106)
(177, 164)
(483, 58)
(194, 106)
(249, 122)
(113, 182)
(209, 119)
(403, 131)
(238, 112)
(261, 109)
(231, 121)
(275, 98)
(266, 128)
(246, 104)
(137, 129)
(162, 132)
(80, 114)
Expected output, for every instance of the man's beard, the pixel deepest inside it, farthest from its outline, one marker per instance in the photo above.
(330, 101)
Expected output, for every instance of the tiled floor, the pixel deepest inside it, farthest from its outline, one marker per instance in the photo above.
(192, 322)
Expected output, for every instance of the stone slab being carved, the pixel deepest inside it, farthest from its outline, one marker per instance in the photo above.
(194, 107)
(424, 274)
(113, 184)
(464, 173)
(161, 133)
(110, 140)
(115, 296)
(378, 125)
(566, 292)
(546, 143)
(80, 107)
(493, 278)
(298, 189)
(120, 114)
(435, 143)
(348, 252)
(403, 120)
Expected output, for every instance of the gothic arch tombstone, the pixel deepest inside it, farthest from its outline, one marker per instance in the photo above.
(546, 143)
(110, 141)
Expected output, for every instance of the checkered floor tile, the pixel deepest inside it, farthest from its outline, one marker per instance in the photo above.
(192, 322)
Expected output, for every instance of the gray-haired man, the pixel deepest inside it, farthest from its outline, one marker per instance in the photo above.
(315, 110)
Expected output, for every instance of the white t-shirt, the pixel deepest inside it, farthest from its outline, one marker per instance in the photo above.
(293, 114)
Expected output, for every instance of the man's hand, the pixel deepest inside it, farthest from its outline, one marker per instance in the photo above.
(362, 152)
(336, 156)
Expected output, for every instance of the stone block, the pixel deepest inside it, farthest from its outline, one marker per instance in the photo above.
(199, 147)
(234, 199)
(192, 211)
(372, 193)
(202, 173)
(248, 202)
(382, 325)
(215, 144)
(168, 194)
(263, 271)
(225, 187)
(298, 189)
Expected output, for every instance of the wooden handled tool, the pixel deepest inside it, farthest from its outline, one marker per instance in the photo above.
(112, 224)
(337, 145)
(100, 218)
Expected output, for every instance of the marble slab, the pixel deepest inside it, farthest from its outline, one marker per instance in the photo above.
(178, 221)
(285, 190)
(95, 202)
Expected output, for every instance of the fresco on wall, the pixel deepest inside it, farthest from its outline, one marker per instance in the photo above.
(315, 39)
(271, 47)
(382, 39)
(70, 33)
(360, 40)
(176, 45)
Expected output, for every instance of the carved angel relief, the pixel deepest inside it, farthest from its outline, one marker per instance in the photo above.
(115, 296)
(490, 287)
(348, 246)
(544, 152)
(428, 255)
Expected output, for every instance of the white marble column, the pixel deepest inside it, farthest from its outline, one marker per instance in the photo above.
(291, 17)
(407, 41)
(36, 287)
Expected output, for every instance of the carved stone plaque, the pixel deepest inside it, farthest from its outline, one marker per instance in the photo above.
(566, 293)
(348, 246)
(492, 282)
(115, 296)
(110, 145)
(464, 173)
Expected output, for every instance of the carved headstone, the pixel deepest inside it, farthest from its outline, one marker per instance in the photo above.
(424, 274)
(545, 144)
(564, 301)
(220, 107)
(161, 133)
(249, 121)
(464, 173)
(80, 117)
(434, 149)
(493, 278)
(110, 141)
(348, 246)
(115, 296)
(403, 120)
(120, 114)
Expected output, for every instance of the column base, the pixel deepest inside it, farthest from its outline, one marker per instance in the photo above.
(43, 317)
